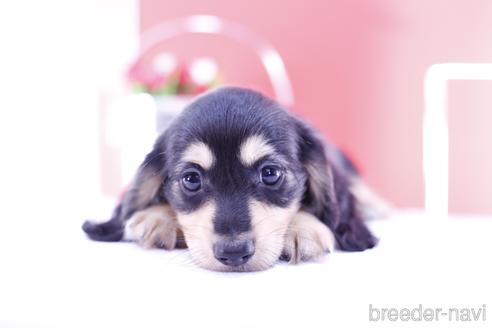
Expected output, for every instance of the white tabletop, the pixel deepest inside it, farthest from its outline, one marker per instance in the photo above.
(52, 276)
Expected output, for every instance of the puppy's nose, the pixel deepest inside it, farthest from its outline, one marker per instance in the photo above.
(234, 253)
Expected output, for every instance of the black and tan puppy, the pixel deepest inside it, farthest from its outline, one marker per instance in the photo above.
(246, 183)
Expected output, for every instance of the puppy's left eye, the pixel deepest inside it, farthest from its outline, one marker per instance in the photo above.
(192, 181)
(270, 175)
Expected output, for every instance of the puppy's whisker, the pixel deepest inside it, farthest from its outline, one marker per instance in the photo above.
(281, 232)
(264, 219)
(198, 226)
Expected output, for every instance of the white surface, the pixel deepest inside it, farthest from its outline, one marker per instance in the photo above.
(52, 276)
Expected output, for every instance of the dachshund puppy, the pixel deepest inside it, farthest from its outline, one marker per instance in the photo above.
(242, 183)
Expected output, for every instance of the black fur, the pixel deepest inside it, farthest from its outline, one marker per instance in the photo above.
(336, 208)
(318, 173)
(111, 230)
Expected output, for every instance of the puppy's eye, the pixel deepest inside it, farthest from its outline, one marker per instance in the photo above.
(192, 181)
(270, 175)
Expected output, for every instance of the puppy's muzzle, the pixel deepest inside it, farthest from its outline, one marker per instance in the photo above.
(234, 252)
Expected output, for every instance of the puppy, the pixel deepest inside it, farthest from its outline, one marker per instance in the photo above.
(242, 183)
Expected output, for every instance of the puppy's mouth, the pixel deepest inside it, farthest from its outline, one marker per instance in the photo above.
(243, 255)
(239, 255)
(229, 250)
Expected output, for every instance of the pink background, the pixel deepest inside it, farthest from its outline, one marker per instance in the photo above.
(357, 69)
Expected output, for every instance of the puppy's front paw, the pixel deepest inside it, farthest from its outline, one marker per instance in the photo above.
(155, 226)
(307, 239)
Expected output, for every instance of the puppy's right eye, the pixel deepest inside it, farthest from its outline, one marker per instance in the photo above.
(270, 175)
(192, 181)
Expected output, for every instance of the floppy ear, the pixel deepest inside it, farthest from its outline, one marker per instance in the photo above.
(328, 195)
(146, 190)
(147, 186)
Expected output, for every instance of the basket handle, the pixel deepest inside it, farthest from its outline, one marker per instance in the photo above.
(207, 24)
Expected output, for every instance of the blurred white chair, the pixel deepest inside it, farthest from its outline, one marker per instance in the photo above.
(208, 24)
(133, 118)
(435, 129)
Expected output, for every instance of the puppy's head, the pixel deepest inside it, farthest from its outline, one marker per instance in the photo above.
(235, 167)
(234, 178)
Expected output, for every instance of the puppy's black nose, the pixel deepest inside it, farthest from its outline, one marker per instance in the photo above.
(234, 253)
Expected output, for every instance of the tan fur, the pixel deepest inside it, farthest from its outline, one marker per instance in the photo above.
(254, 148)
(275, 230)
(270, 224)
(369, 204)
(156, 226)
(307, 238)
(148, 189)
(199, 234)
(317, 178)
(199, 153)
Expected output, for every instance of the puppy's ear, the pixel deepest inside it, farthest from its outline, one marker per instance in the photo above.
(327, 193)
(145, 190)
(147, 186)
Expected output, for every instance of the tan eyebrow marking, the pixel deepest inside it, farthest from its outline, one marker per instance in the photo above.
(254, 148)
(199, 153)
